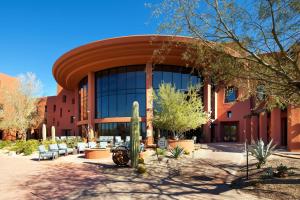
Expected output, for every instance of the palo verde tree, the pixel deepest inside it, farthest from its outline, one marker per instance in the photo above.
(20, 105)
(253, 43)
(177, 111)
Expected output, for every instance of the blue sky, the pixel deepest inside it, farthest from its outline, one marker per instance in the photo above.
(34, 33)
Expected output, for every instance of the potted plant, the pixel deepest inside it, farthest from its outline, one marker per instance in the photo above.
(178, 112)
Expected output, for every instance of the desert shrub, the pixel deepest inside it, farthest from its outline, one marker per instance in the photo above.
(161, 152)
(5, 143)
(71, 143)
(30, 147)
(141, 161)
(186, 152)
(269, 173)
(281, 171)
(26, 147)
(176, 152)
(262, 152)
(141, 169)
(47, 142)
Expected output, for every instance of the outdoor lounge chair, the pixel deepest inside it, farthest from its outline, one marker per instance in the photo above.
(92, 144)
(43, 153)
(63, 146)
(103, 145)
(64, 138)
(54, 148)
(118, 141)
(81, 147)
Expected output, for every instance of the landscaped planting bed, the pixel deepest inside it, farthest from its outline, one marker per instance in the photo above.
(263, 185)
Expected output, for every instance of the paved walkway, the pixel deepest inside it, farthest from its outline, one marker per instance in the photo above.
(204, 177)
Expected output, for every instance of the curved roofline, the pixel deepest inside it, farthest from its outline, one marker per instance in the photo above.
(111, 52)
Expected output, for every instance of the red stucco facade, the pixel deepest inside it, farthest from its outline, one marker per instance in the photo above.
(236, 117)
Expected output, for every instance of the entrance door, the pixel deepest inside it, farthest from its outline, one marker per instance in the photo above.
(284, 131)
(230, 131)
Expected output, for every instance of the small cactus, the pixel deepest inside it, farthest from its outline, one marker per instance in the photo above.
(135, 135)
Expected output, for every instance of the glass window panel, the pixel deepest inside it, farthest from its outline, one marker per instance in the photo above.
(112, 106)
(104, 106)
(130, 80)
(130, 100)
(167, 77)
(121, 104)
(104, 83)
(177, 80)
(194, 80)
(140, 79)
(121, 79)
(185, 81)
(113, 81)
(141, 98)
(157, 78)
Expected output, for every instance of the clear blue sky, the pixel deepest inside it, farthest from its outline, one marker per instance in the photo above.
(34, 33)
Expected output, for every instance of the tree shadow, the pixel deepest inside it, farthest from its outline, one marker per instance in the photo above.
(89, 180)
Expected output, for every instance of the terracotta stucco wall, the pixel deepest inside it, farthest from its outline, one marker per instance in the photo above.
(238, 109)
(293, 128)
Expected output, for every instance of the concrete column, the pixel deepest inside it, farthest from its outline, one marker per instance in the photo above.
(149, 104)
(91, 99)
(293, 135)
(76, 110)
(207, 108)
(254, 128)
(275, 126)
(263, 126)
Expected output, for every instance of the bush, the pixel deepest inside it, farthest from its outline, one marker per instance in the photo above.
(161, 152)
(281, 171)
(268, 173)
(5, 143)
(71, 143)
(141, 169)
(186, 152)
(26, 147)
(262, 152)
(176, 152)
(46, 143)
(141, 161)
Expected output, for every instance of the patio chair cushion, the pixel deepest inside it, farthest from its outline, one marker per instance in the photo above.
(81, 146)
(92, 144)
(103, 145)
(63, 147)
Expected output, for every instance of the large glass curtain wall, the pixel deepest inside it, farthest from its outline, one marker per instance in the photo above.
(117, 88)
(83, 99)
(118, 129)
(180, 77)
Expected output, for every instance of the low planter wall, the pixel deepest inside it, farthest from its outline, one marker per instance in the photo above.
(188, 145)
(97, 153)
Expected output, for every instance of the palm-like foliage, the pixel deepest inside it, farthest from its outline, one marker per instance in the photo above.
(262, 152)
(177, 152)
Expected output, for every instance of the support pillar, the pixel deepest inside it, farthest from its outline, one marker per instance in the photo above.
(76, 110)
(149, 105)
(207, 108)
(254, 128)
(263, 126)
(275, 129)
(293, 135)
(91, 99)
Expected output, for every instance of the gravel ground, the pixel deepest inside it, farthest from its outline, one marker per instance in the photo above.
(275, 188)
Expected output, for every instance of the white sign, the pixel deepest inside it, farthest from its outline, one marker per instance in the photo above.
(162, 143)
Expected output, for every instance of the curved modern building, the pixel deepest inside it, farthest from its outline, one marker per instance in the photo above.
(98, 82)
(108, 75)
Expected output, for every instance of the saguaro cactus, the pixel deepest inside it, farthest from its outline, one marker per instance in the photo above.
(135, 135)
